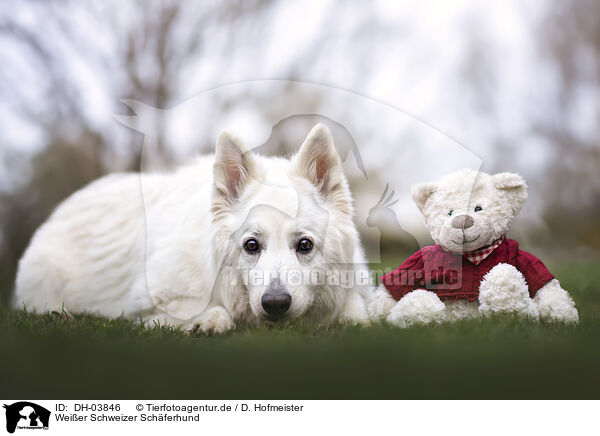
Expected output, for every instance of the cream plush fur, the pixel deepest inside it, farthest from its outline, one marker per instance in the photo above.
(176, 254)
(499, 199)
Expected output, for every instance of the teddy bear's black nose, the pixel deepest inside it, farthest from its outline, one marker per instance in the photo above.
(463, 222)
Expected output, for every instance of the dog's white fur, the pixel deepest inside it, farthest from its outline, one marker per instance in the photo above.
(503, 289)
(168, 256)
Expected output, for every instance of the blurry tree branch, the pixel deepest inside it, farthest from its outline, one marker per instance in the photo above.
(137, 50)
(570, 40)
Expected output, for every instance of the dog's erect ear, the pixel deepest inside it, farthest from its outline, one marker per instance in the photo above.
(318, 161)
(421, 193)
(234, 165)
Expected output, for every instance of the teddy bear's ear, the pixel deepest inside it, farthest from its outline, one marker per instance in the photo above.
(422, 192)
(509, 181)
(515, 185)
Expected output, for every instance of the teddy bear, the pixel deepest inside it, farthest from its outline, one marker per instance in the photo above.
(473, 269)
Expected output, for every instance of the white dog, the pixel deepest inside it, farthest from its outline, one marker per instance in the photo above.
(232, 239)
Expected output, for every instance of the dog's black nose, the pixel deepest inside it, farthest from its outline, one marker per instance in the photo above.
(276, 303)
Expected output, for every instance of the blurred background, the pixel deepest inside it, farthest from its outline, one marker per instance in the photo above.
(515, 85)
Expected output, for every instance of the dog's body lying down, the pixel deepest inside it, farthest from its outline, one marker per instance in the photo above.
(232, 239)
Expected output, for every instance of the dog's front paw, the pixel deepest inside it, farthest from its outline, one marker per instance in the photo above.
(355, 311)
(381, 304)
(504, 290)
(360, 318)
(418, 307)
(212, 321)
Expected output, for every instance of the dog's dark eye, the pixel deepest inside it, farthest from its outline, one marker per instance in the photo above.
(478, 208)
(451, 212)
(304, 245)
(251, 245)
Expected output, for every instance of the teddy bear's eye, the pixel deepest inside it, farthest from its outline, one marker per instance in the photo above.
(478, 208)
(451, 212)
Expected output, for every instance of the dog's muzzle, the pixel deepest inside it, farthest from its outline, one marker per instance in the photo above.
(276, 302)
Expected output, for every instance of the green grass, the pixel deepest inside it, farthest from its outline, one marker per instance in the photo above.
(45, 356)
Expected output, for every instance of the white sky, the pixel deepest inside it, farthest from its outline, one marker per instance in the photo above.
(413, 56)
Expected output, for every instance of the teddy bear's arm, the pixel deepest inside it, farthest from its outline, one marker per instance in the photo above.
(419, 307)
(504, 290)
(555, 304)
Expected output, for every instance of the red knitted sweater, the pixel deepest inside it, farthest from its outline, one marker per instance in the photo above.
(452, 277)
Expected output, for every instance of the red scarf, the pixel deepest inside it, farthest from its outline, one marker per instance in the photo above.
(478, 256)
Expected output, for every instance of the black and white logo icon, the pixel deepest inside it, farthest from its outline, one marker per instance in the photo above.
(26, 415)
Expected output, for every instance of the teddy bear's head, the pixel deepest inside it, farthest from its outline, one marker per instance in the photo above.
(468, 210)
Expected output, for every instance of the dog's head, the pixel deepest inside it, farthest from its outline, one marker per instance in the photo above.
(287, 223)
